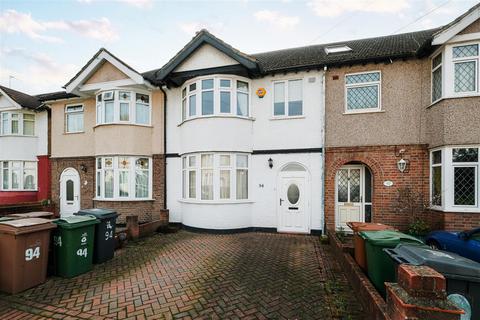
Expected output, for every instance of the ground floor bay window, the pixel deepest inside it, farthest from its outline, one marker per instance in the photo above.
(18, 175)
(123, 178)
(454, 178)
(215, 176)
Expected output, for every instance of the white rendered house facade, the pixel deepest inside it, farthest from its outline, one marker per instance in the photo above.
(236, 158)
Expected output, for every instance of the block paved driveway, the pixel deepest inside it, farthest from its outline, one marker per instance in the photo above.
(200, 276)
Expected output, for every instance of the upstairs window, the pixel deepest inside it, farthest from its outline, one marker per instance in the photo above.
(465, 62)
(437, 77)
(15, 123)
(362, 92)
(74, 118)
(288, 98)
(215, 96)
(123, 106)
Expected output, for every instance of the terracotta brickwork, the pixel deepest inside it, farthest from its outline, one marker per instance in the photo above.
(453, 221)
(382, 162)
(145, 210)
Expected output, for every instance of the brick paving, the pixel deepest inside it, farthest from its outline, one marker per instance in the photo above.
(200, 276)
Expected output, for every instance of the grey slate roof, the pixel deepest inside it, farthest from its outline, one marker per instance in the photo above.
(55, 96)
(23, 99)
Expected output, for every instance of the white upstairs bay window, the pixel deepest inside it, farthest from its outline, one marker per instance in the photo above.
(215, 96)
(123, 106)
(455, 178)
(124, 178)
(465, 65)
(288, 98)
(362, 92)
(223, 177)
(437, 77)
(18, 175)
(74, 118)
(17, 123)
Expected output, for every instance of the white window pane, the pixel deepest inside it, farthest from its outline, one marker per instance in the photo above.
(225, 102)
(207, 84)
(124, 95)
(295, 100)
(184, 109)
(99, 183)
(5, 123)
(142, 163)
(75, 122)
(225, 83)
(184, 184)
(437, 84)
(123, 183)
(437, 186)
(28, 128)
(141, 183)
(207, 102)
(192, 182)
(108, 183)
(242, 161)
(243, 86)
(242, 104)
(192, 105)
(184, 162)
(224, 184)
(5, 175)
(362, 98)
(124, 111)
(142, 98)
(242, 184)
(29, 179)
(465, 186)
(207, 160)
(207, 184)
(192, 161)
(225, 160)
(99, 113)
(465, 74)
(14, 124)
(109, 111)
(15, 178)
(142, 113)
(279, 99)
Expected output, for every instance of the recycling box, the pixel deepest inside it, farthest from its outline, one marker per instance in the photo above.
(104, 247)
(24, 247)
(73, 245)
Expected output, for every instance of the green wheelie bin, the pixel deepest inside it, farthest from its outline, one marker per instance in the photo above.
(73, 242)
(104, 248)
(380, 267)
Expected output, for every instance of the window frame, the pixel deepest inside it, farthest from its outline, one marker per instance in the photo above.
(21, 178)
(100, 183)
(74, 112)
(286, 83)
(435, 165)
(21, 122)
(217, 90)
(378, 83)
(117, 101)
(433, 69)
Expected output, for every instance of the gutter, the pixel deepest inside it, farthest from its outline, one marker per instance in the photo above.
(324, 77)
(164, 147)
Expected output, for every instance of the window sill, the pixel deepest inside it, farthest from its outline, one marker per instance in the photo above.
(457, 209)
(457, 96)
(225, 116)
(215, 202)
(17, 136)
(287, 117)
(363, 112)
(122, 124)
(19, 190)
(122, 200)
(78, 132)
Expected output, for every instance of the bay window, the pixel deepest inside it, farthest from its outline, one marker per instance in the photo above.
(18, 175)
(465, 62)
(437, 77)
(288, 98)
(123, 106)
(216, 95)
(222, 176)
(17, 123)
(454, 178)
(362, 92)
(123, 178)
(74, 118)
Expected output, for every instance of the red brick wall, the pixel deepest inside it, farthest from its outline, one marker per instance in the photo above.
(454, 221)
(145, 210)
(382, 161)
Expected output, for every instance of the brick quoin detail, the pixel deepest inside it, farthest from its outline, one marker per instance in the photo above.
(382, 162)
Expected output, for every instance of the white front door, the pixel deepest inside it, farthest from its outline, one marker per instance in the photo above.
(349, 196)
(293, 205)
(69, 192)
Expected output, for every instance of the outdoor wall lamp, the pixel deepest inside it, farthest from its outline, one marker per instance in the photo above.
(402, 165)
(83, 168)
(270, 163)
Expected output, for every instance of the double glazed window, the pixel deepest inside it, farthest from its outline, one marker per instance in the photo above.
(215, 96)
(123, 106)
(15, 123)
(454, 177)
(74, 118)
(222, 176)
(123, 178)
(362, 92)
(18, 175)
(288, 98)
(437, 77)
(465, 65)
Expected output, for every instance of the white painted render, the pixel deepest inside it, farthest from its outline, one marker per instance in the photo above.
(206, 57)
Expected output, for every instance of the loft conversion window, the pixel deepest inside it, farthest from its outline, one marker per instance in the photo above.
(14, 123)
(362, 92)
(123, 106)
(337, 49)
(214, 96)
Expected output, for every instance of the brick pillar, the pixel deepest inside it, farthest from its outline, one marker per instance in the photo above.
(420, 294)
(133, 230)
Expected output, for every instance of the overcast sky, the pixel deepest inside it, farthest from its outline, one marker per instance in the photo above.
(44, 43)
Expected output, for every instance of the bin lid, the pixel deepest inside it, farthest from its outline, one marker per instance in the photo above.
(368, 226)
(74, 222)
(99, 213)
(28, 225)
(388, 238)
(33, 214)
(447, 263)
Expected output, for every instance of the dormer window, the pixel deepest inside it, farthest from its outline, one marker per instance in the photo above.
(337, 49)
(215, 95)
(123, 106)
